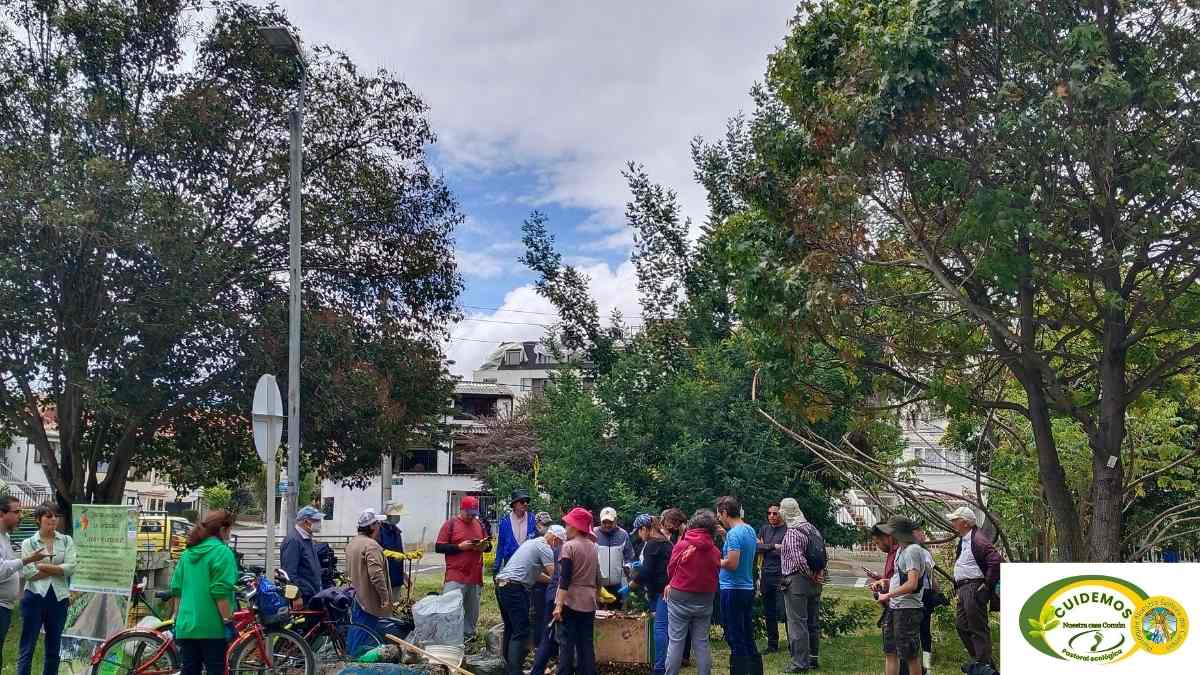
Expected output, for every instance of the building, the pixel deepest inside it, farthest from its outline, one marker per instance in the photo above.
(428, 482)
(525, 367)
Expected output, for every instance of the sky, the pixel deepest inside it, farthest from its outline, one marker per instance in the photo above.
(539, 105)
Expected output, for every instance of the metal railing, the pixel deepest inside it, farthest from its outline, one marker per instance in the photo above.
(251, 548)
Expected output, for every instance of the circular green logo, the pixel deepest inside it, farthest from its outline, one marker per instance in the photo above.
(1084, 618)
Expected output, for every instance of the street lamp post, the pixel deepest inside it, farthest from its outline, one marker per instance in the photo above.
(284, 43)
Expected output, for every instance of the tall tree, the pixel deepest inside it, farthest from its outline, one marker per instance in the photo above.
(986, 190)
(143, 235)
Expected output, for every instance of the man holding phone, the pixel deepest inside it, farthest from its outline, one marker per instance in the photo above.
(10, 565)
(462, 541)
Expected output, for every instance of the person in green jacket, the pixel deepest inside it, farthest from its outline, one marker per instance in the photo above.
(203, 583)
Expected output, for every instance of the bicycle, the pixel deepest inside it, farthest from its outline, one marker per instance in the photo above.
(335, 639)
(260, 644)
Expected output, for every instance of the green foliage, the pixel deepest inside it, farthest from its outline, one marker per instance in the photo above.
(190, 515)
(217, 497)
(143, 196)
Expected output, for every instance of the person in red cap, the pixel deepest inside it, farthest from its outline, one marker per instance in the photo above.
(463, 542)
(577, 599)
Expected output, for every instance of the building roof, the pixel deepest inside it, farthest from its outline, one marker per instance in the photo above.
(483, 389)
(530, 351)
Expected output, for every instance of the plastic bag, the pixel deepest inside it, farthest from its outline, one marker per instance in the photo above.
(438, 619)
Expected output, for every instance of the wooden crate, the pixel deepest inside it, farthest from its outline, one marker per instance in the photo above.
(624, 638)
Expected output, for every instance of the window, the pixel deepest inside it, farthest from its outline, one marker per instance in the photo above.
(151, 526)
(512, 357)
(417, 461)
(490, 380)
(460, 468)
(327, 507)
(538, 386)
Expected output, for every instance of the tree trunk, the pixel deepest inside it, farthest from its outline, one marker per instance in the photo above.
(1108, 471)
(1053, 478)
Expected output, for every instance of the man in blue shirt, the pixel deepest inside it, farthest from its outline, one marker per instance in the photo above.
(515, 528)
(390, 538)
(737, 588)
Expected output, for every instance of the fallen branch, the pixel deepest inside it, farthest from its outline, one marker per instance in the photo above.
(411, 647)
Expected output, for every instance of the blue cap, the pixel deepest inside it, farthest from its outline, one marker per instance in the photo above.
(309, 513)
(643, 520)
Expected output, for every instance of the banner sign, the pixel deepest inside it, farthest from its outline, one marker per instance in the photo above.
(106, 541)
(1099, 618)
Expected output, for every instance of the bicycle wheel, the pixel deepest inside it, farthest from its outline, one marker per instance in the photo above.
(344, 642)
(137, 652)
(289, 654)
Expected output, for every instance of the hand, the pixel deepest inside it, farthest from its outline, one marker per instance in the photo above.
(466, 546)
(557, 613)
(884, 597)
(778, 547)
(37, 556)
(47, 569)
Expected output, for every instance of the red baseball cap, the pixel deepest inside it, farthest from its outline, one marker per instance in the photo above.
(470, 504)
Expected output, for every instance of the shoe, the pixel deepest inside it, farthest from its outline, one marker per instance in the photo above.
(755, 665)
(796, 669)
(813, 664)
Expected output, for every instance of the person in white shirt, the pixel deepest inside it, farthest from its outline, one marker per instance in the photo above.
(976, 574)
(10, 565)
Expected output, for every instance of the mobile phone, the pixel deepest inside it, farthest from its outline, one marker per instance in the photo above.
(870, 573)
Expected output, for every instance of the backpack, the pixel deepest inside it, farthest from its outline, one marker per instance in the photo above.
(273, 608)
(814, 553)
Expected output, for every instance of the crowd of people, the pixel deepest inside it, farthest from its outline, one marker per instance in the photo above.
(551, 579)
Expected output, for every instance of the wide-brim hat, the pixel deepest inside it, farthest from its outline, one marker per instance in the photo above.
(580, 519)
(900, 528)
(518, 496)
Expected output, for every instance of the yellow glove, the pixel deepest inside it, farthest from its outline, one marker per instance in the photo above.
(397, 555)
(606, 597)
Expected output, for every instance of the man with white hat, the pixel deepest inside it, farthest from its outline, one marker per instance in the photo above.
(368, 574)
(391, 538)
(976, 574)
(532, 562)
(614, 548)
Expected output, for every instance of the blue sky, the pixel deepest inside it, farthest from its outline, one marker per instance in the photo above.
(538, 105)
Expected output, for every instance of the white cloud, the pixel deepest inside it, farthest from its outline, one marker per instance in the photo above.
(473, 341)
(570, 90)
(480, 265)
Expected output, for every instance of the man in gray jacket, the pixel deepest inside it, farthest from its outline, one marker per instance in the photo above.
(10, 565)
(614, 548)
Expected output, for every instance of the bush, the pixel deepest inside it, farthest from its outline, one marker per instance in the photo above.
(192, 515)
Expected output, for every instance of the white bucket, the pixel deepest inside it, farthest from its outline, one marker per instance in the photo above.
(452, 654)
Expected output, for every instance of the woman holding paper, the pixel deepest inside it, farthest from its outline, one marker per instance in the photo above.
(47, 590)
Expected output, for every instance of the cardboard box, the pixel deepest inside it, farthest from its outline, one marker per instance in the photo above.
(624, 638)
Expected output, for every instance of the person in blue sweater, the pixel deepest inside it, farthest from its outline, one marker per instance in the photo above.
(515, 528)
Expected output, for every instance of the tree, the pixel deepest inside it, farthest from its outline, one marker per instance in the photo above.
(979, 191)
(143, 246)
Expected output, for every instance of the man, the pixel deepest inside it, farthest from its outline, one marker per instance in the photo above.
(368, 574)
(802, 587)
(770, 540)
(298, 556)
(515, 529)
(10, 565)
(737, 588)
(976, 573)
(902, 622)
(392, 539)
(930, 582)
(538, 608)
(614, 549)
(463, 542)
(533, 562)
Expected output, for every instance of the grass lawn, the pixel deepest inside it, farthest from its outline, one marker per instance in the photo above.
(12, 644)
(858, 653)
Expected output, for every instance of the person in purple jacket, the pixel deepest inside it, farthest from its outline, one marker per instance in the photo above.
(976, 574)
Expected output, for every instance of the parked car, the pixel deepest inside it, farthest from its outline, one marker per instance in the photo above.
(158, 533)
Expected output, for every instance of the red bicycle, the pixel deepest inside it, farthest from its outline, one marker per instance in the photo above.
(261, 645)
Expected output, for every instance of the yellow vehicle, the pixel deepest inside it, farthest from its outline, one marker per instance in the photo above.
(159, 533)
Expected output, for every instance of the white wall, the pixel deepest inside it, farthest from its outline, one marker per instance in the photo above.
(425, 497)
(20, 459)
(512, 378)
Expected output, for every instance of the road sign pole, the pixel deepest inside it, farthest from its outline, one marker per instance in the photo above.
(269, 555)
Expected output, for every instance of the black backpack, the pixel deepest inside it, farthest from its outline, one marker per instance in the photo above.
(814, 553)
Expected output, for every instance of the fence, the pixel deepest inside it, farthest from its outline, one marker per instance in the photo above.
(252, 548)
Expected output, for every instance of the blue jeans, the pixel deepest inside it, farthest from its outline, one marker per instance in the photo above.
(356, 640)
(659, 605)
(513, 599)
(38, 611)
(5, 623)
(737, 616)
(199, 655)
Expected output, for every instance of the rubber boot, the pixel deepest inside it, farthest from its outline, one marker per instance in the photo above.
(926, 661)
(755, 665)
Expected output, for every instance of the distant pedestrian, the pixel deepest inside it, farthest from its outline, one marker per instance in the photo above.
(515, 528)
(976, 574)
(463, 542)
(803, 567)
(532, 562)
(202, 583)
(576, 601)
(770, 576)
(298, 555)
(691, 587)
(367, 569)
(614, 550)
(902, 623)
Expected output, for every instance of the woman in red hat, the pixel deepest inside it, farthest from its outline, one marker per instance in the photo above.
(576, 602)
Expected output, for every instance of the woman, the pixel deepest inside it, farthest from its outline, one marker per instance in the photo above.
(691, 588)
(651, 574)
(203, 581)
(47, 584)
(576, 602)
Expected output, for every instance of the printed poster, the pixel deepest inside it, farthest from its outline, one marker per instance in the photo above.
(106, 541)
